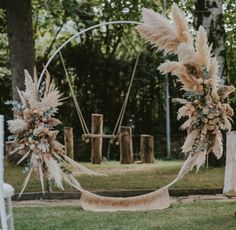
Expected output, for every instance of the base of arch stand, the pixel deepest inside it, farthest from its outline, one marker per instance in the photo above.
(156, 200)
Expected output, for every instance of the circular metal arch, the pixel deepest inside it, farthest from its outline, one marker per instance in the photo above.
(75, 36)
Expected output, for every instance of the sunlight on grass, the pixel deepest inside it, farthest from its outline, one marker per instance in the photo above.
(131, 176)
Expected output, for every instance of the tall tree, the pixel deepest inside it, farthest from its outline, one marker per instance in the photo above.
(20, 37)
(209, 14)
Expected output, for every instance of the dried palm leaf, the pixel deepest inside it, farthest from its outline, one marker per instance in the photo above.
(30, 93)
(54, 171)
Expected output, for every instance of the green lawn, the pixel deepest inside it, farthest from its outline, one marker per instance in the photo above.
(133, 176)
(195, 216)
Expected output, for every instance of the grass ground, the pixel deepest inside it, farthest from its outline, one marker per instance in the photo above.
(133, 176)
(210, 215)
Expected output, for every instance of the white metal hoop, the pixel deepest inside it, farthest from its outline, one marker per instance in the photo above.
(76, 35)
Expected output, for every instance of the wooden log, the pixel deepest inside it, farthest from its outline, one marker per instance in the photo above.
(69, 142)
(230, 168)
(96, 142)
(147, 148)
(126, 145)
(109, 136)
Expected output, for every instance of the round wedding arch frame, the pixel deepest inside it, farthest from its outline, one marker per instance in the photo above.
(156, 200)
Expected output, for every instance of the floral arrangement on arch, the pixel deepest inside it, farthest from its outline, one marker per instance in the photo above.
(204, 103)
(35, 136)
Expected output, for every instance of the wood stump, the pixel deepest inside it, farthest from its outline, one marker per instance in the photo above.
(126, 145)
(230, 168)
(147, 149)
(96, 142)
(69, 142)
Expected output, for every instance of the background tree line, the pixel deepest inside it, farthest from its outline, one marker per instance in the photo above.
(100, 63)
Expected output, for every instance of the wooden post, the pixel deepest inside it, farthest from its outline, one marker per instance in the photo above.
(230, 168)
(69, 142)
(147, 148)
(96, 142)
(126, 145)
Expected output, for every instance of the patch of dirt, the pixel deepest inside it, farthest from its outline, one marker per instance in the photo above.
(122, 170)
(180, 200)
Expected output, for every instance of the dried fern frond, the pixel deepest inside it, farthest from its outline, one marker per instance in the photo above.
(159, 31)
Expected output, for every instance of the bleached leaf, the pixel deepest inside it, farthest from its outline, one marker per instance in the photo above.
(54, 171)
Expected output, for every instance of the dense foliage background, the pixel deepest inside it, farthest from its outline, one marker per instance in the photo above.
(101, 62)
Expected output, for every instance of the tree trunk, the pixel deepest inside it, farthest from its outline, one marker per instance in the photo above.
(209, 14)
(20, 37)
(126, 145)
(147, 149)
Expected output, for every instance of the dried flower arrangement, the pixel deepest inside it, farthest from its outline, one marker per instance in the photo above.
(204, 98)
(35, 137)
